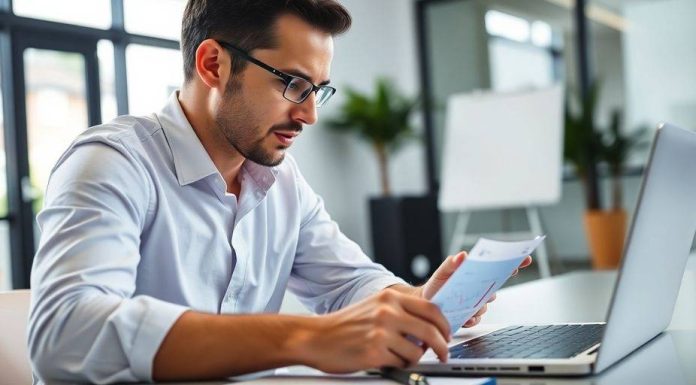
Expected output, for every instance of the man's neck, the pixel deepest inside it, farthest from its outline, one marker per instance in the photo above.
(226, 158)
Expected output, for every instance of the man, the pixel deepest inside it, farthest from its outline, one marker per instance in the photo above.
(165, 236)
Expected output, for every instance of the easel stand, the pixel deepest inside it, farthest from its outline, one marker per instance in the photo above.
(460, 238)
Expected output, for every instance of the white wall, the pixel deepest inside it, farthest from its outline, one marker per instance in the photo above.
(660, 57)
(342, 168)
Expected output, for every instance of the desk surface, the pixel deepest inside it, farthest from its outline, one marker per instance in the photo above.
(576, 297)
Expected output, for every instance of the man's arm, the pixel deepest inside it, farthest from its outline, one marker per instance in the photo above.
(408, 289)
(208, 346)
(369, 334)
(329, 271)
(86, 323)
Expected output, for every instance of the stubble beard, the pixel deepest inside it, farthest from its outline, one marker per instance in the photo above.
(234, 119)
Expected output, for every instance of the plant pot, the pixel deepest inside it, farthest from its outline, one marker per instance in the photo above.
(406, 235)
(606, 231)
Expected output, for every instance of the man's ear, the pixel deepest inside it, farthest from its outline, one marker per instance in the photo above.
(213, 64)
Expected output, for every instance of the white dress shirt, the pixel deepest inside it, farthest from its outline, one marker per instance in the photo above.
(137, 227)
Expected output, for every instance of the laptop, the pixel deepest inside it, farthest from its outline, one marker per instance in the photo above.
(655, 256)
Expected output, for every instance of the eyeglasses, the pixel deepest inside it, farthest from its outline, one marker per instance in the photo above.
(297, 89)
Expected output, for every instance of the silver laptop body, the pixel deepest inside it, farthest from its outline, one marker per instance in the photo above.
(650, 275)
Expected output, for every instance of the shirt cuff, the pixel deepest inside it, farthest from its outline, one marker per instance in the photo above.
(158, 319)
(376, 285)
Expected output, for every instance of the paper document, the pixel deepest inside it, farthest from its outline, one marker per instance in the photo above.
(486, 268)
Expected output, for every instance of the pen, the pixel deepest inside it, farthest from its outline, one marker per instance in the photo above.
(403, 376)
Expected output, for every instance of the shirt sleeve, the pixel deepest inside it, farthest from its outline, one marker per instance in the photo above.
(330, 271)
(85, 323)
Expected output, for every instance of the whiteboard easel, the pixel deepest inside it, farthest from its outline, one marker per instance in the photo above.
(502, 150)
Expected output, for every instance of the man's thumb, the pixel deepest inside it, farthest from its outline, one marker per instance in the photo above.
(447, 269)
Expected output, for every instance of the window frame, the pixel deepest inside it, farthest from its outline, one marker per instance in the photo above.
(16, 34)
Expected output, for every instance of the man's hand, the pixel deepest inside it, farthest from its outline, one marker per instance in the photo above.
(446, 269)
(373, 333)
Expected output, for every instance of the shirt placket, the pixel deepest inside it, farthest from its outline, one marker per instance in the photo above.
(251, 196)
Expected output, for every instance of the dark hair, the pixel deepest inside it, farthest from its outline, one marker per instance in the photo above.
(249, 24)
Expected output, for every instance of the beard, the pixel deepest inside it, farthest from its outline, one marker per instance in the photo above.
(238, 125)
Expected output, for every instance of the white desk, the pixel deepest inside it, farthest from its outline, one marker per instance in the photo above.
(577, 297)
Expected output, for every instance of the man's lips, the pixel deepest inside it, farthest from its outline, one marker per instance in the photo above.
(286, 137)
(289, 134)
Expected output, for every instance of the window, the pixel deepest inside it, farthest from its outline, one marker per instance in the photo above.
(90, 13)
(56, 110)
(160, 18)
(153, 74)
(518, 29)
(107, 80)
(5, 272)
(507, 26)
(520, 52)
(542, 36)
(58, 60)
(516, 66)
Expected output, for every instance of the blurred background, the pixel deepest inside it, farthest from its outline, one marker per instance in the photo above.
(623, 66)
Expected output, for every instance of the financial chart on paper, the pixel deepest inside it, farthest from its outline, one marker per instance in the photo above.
(489, 265)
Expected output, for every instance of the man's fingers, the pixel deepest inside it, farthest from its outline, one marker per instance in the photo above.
(526, 262)
(426, 333)
(473, 321)
(427, 311)
(405, 349)
(393, 360)
(476, 318)
(481, 311)
(493, 297)
(448, 267)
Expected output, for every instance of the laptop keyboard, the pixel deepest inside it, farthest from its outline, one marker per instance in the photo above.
(543, 341)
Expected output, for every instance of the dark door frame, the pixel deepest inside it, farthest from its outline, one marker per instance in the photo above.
(21, 215)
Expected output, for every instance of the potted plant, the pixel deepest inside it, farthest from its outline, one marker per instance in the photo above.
(605, 228)
(382, 119)
(405, 230)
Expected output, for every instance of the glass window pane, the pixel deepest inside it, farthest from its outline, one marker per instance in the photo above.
(5, 271)
(518, 66)
(107, 80)
(508, 26)
(3, 167)
(56, 110)
(153, 74)
(138, 17)
(90, 13)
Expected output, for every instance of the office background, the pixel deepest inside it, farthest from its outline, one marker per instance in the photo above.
(69, 64)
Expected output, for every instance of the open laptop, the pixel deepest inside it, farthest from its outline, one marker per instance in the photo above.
(646, 290)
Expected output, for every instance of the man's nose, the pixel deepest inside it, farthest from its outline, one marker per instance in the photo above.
(306, 112)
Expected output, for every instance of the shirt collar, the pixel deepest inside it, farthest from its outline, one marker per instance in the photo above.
(191, 161)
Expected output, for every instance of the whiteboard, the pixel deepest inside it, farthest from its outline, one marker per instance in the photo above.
(502, 150)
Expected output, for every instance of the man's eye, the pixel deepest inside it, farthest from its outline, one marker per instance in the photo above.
(292, 86)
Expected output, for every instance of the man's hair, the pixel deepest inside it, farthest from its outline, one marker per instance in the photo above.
(249, 24)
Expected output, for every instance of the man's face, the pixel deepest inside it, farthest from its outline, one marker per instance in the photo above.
(253, 115)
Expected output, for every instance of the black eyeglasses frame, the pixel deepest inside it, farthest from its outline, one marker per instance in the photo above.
(287, 78)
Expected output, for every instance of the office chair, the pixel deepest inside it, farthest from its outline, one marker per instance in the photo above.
(14, 355)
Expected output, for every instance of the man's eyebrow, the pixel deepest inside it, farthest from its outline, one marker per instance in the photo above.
(303, 75)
